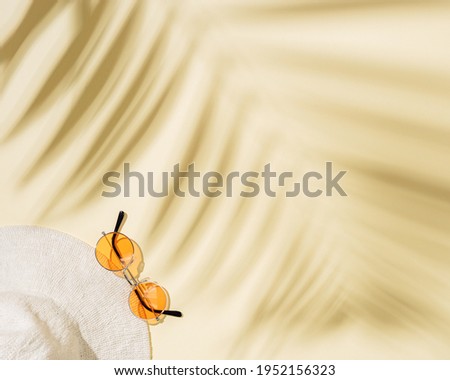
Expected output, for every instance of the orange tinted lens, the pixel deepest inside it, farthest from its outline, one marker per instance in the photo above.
(148, 300)
(114, 251)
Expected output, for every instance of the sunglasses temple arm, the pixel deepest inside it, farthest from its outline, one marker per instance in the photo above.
(119, 221)
(172, 313)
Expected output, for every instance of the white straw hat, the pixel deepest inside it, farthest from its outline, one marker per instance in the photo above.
(57, 302)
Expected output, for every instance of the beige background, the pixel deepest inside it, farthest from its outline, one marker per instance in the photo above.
(233, 85)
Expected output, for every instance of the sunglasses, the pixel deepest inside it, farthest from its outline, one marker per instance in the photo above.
(117, 253)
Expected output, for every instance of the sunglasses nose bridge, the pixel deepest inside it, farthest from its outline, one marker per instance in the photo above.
(130, 278)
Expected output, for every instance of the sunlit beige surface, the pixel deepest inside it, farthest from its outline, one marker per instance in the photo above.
(233, 85)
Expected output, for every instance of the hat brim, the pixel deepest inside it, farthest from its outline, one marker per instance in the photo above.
(51, 264)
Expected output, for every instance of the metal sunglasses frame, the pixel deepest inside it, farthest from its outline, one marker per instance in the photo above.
(131, 279)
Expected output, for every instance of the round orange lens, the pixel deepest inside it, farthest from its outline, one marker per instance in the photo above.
(114, 251)
(148, 300)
